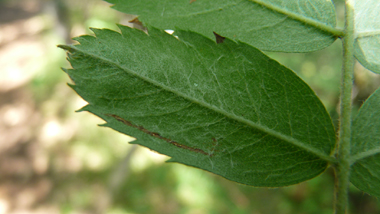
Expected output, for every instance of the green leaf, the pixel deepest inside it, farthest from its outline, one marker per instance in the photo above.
(272, 25)
(365, 150)
(226, 108)
(367, 27)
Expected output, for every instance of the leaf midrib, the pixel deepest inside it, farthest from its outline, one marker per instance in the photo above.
(317, 24)
(368, 33)
(262, 128)
(363, 155)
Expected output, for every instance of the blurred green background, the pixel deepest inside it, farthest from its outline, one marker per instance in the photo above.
(53, 160)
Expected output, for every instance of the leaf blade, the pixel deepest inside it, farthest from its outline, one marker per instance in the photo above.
(367, 27)
(273, 25)
(365, 173)
(187, 83)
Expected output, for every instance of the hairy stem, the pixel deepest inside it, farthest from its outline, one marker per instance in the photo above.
(343, 166)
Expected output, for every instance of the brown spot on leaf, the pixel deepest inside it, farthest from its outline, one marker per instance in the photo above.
(136, 21)
(191, 1)
(219, 38)
(157, 135)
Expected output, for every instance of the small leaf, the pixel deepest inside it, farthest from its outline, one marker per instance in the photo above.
(226, 108)
(272, 25)
(365, 148)
(367, 27)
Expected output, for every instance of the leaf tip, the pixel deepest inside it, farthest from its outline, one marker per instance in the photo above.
(84, 108)
(65, 47)
(104, 125)
(72, 86)
(64, 70)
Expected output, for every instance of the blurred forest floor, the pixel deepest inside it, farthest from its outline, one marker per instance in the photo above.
(53, 160)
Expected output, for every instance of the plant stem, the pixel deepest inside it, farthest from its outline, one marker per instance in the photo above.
(343, 166)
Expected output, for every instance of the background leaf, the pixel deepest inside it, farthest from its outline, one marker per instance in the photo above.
(367, 27)
(226, 108)
(247, 21)
(365, 173)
